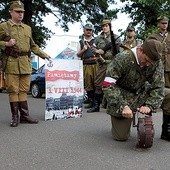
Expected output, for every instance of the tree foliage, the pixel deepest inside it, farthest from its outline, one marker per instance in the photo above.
(65, 11)
(144, 14)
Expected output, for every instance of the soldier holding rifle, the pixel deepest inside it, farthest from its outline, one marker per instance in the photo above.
(85, 52)
(106, 38)
(17, 44)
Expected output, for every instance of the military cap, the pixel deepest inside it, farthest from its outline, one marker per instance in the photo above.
(130, 28)
(88, 26)
(106, 21)
(153, 49)
(16, 6)
(162, 19)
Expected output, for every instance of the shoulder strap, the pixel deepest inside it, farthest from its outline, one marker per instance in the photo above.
(81, 44)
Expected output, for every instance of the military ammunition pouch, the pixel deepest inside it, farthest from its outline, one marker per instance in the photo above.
(145, 131)
(10, 51)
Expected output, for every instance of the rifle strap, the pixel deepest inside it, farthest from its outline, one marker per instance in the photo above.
(9, 29)
(164, 37)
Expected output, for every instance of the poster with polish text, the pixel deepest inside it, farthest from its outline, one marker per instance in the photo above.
(64, 89)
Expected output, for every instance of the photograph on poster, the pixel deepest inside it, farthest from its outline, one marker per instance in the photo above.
(64, 89)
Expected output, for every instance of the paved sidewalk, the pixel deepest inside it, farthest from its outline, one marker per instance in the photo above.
(74, 144)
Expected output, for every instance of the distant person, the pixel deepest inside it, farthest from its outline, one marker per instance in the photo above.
(16, 43)
(130, 40)
(85, 53)
(163, 36)
(101, 41)
(134, 82)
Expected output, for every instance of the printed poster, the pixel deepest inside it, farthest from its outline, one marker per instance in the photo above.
(67, 53)
(64, 89)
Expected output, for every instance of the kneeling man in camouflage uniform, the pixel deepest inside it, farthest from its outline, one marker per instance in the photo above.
(134, 82)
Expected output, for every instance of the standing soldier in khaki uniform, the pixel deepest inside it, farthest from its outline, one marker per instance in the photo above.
(164, 37)
(16, 43)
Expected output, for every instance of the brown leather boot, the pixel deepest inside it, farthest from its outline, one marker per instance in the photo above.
(24, 114)
(15, 116)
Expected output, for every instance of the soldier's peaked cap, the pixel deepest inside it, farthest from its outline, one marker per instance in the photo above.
(162, 19)
(16, 6)
(131, 28)
(106, 21)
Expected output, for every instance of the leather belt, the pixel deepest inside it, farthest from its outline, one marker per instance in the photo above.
(90, 59)
(16, 53)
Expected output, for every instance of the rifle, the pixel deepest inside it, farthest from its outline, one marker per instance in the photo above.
(99, 58)
(113, 41)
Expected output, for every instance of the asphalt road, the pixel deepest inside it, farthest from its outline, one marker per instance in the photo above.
(74, 144)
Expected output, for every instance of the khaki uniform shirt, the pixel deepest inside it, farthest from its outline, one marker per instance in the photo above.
(166, 48)
(131, 44)
(24, 42)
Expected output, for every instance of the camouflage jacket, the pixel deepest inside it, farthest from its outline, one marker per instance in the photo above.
(135, 86)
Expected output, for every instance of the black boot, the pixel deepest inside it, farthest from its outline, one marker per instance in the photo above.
(96, 104)
(166, 127)
(15, 116)
(90, 95)
(90, 105)
(24, 114)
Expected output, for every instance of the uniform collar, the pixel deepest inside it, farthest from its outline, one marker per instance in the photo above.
(89, 39)
(163, 33)
(12, 23)
(135, 54)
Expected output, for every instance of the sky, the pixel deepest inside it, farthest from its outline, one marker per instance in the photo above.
(76, 29)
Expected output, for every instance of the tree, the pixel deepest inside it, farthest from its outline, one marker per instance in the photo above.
(144, 13)
(65, 11)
